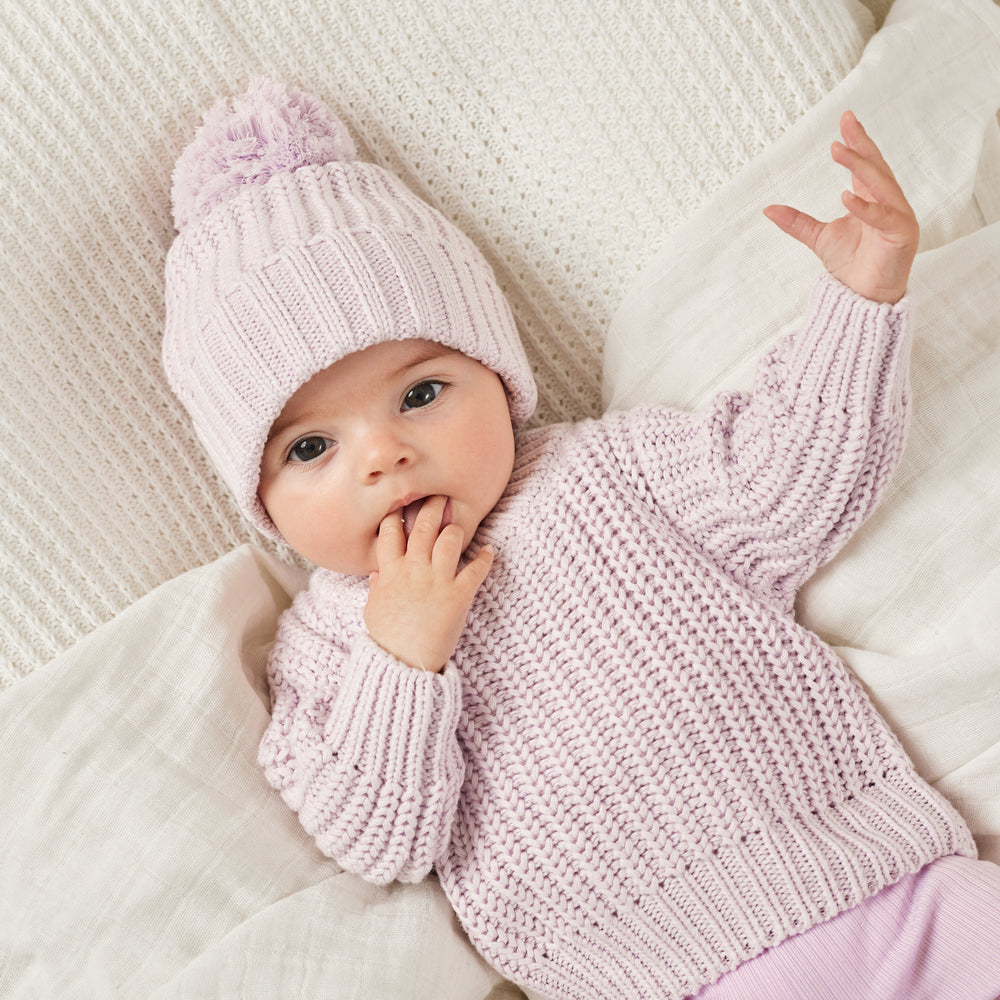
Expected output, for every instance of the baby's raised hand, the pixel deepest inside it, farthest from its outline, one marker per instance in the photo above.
(418, 599)
(871, 249)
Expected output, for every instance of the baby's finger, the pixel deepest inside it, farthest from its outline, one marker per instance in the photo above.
(857, 138)
(872, 181)
(474, 573)
(427, 526)
(448, 548)
(796, 224)
(391, 541)
(882, 218)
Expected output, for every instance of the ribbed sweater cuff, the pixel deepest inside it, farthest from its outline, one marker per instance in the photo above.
(400, 722)
(863, 368)
(384, 803)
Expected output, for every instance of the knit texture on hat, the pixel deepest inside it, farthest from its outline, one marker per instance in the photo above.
(293, 254)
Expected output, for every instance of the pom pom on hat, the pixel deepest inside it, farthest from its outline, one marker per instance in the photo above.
(250, 138)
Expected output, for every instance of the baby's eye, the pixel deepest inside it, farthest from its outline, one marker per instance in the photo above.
(309, 448)
(422, 394)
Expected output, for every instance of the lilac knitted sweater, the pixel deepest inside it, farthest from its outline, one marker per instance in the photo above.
(637, 771)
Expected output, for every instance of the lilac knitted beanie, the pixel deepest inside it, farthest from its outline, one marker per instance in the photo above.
(291, 254)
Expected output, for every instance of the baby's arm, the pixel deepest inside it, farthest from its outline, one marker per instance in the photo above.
(771, 484)
(360, 746)
(871, 249)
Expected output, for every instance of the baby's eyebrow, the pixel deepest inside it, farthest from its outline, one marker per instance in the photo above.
(429, 350)
(426, 351)
(280, 426)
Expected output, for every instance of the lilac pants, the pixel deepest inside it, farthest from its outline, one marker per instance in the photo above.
(934, 935)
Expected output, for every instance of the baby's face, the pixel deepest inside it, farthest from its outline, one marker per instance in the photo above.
(375, 433)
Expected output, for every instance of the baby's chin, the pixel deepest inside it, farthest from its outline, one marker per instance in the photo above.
(362, 567)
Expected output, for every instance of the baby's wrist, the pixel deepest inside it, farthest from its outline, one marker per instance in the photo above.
(413, 656)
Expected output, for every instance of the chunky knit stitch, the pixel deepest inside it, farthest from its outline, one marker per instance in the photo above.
(637, 771)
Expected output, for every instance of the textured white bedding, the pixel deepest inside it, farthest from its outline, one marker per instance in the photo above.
(141, 852)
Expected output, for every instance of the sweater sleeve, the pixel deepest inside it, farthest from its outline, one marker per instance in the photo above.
(364, 749)
(770, 484)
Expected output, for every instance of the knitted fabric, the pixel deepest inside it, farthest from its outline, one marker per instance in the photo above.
(637, 771)
(292, 254)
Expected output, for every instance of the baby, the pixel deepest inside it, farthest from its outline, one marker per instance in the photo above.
(559, 665)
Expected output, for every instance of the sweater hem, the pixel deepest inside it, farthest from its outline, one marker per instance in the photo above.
(742, 898)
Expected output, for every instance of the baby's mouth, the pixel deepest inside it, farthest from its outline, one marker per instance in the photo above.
(411, 510)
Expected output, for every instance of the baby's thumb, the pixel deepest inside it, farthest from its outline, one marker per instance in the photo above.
(796, 224)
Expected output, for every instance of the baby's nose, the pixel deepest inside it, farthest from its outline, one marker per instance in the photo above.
(385, 452)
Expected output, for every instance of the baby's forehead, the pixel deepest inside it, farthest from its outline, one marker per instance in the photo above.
(368, 370)
(385, 361)
(406, 353)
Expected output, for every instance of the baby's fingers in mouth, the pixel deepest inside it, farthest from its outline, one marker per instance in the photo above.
(411, 512)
